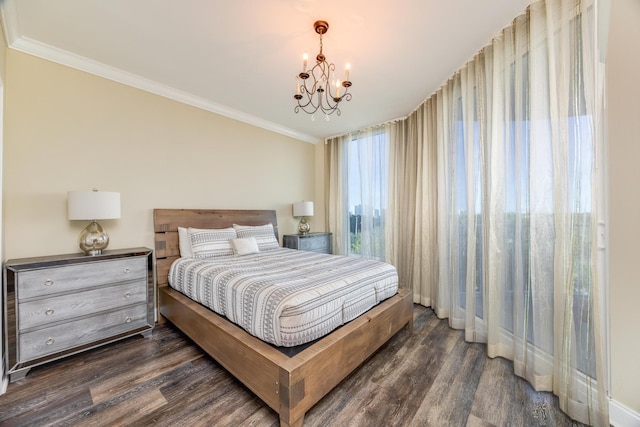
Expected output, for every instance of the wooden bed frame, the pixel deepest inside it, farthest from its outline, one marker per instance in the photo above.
(289, 385)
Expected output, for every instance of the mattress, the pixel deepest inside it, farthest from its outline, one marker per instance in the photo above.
(283, 296)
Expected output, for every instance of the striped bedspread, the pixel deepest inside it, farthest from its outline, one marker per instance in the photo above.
(283, 296)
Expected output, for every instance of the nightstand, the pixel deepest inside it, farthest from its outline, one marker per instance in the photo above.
(60, 305)
(315, 242)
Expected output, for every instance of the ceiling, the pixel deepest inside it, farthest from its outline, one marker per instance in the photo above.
(239, 58)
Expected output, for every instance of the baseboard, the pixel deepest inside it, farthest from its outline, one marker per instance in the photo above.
(621, 416)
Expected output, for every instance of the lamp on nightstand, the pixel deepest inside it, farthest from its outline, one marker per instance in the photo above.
(303, 209)
(92, 206)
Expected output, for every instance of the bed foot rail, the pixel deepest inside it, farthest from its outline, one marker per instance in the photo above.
(409, 326)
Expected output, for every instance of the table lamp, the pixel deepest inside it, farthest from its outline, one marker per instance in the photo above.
(303, 209)
(92, 206)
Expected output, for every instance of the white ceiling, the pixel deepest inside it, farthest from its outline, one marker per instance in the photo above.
(239, 58)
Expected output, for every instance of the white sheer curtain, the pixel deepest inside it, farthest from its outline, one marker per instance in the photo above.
(517, 204)
(492, 204)
(357, 168)
(336, 185)
(380, 198)
(411, 216)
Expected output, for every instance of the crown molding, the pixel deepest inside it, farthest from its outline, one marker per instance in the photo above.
(16, 42)
(50, 53)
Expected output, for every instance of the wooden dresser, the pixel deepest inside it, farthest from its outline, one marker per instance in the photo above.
(56, 306)
(316, 242)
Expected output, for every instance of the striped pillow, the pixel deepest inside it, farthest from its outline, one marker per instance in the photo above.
(264, 235)
(211, 243)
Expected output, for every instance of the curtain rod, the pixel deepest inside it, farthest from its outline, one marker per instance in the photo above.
(398, 119)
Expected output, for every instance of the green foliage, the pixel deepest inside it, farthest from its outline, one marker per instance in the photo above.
(378, 242)
(356, 240)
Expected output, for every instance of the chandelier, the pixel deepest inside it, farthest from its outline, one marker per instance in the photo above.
(315, 89)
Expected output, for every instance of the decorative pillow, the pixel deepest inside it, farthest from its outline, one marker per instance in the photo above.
(211, 243)
(184, 243)
(245, 246)
(264, 235)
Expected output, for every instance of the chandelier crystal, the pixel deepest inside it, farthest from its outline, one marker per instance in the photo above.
(315, 87)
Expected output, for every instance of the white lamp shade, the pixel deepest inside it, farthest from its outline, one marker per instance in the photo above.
(90, 205)
(303, 209)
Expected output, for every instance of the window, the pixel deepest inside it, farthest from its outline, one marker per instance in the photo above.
(546, 173)
(367, 180)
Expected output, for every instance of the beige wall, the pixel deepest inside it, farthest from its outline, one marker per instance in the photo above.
(3, 54)
(69, 130)
(623, 80)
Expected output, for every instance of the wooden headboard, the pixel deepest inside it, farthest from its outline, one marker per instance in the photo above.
(167, 221)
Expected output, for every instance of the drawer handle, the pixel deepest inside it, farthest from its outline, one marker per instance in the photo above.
(127, 295)
(50, 341)
(48, 282)
(127, 319)
(127, 270)
(49, 312)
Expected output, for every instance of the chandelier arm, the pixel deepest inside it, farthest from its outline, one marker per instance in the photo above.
(304, 89)
(308, 111)
(304, 101)
(304, 107)
(330, 106)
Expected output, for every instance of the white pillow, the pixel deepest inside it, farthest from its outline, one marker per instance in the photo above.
(245, 246)
(264, 235)
(184, 242)
(211, 243)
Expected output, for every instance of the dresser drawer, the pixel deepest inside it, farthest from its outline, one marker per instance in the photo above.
(46, 281)
(54, 309)
(45, 341)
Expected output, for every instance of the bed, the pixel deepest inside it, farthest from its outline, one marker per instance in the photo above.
(290, 383)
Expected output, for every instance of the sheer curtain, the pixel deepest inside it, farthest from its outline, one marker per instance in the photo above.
(517, 204)
(491, 214)
(411, 218)
(381, 198)
(357, 168)
(336, 184)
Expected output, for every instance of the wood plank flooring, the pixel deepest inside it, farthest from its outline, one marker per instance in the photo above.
(429, 378)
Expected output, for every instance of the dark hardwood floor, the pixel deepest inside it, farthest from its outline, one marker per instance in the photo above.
(429, 378)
